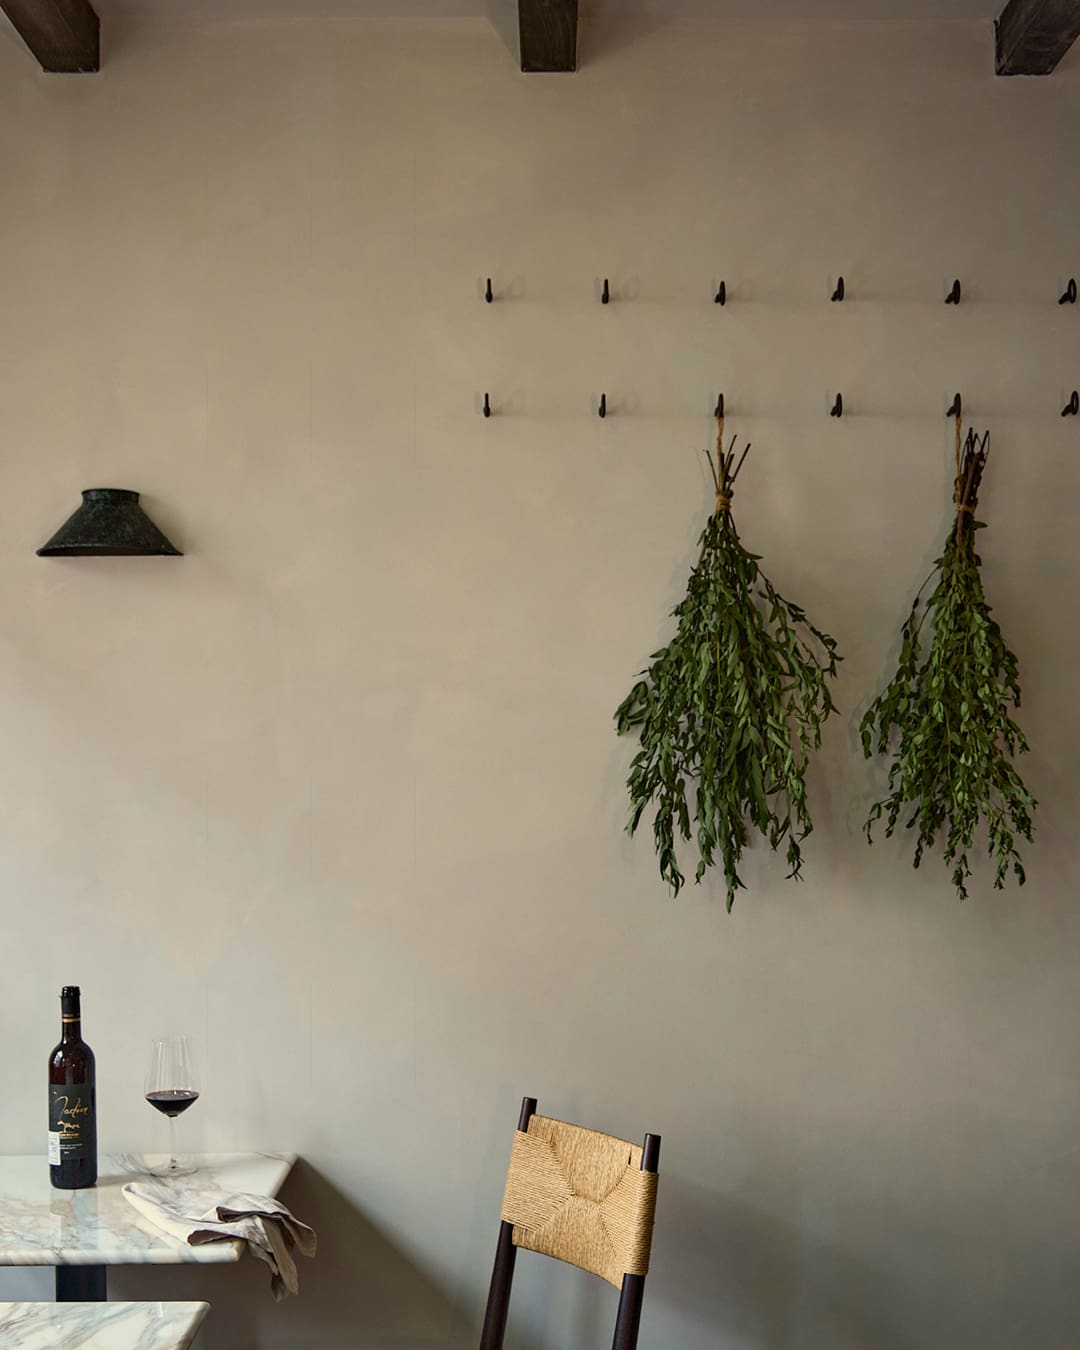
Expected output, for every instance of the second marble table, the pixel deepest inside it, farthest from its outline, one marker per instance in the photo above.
(81, 1233)
(99, 1326)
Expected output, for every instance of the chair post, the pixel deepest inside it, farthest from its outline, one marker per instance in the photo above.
(628, 1320)
(502, 1274)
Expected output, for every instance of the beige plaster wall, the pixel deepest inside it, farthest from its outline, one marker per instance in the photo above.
(338, 792)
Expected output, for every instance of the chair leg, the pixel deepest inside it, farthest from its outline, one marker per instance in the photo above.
(628, 1320)
(502, 1275)
(498, 1304)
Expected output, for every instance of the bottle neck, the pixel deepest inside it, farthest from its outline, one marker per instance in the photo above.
(70, 1016)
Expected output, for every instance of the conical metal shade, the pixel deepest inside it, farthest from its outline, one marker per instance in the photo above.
(110, 521)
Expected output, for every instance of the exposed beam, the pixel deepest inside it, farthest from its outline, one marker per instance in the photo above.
(548, 33)
(62, 34)
(1033, 35)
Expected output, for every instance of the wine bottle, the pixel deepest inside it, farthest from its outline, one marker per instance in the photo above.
(72, 1102)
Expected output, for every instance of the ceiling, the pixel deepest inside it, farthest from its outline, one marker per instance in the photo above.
(871, 10)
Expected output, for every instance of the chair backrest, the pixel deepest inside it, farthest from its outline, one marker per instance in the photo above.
(581, 1197)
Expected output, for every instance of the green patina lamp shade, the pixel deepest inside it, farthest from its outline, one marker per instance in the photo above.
(109, 522)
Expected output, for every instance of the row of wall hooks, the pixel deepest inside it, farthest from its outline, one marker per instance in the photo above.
(1068, 296)
(955, 408)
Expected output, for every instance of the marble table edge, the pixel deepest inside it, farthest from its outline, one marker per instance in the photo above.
(122, 1325)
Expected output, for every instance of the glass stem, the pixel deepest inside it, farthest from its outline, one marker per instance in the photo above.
(173, 1164)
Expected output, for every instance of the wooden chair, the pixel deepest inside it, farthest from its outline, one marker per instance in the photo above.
(581, 1197)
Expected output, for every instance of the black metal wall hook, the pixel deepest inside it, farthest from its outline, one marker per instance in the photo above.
(605, 294)
(1068, 296)
(602, 410)
(838, 294)
(487, 406)
(721, 294)
(1073, 406)
(837, 409)
(955, 408)
(718, 411)
(953, 298)
(489, 294)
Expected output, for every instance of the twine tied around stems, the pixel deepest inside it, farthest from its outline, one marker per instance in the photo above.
(723, 477)
(971, 455)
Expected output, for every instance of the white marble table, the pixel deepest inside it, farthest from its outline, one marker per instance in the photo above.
(82, 1232)
(99, 1326)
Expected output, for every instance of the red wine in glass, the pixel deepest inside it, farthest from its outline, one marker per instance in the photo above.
(171, 1087)
(173, 1101)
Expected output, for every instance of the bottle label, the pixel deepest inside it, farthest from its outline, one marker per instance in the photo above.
(71, 1122)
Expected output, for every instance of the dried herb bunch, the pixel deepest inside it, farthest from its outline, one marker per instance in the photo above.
(729, 710)
(948, 706)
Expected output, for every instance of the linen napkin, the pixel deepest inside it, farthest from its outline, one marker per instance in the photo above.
(268, 1229)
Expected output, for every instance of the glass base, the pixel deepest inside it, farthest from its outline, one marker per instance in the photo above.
(158, 1165)
(174, 1167)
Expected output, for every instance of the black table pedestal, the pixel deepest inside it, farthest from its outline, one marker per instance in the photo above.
(80, 1284)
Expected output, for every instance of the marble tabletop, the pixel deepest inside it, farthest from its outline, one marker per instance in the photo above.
(40, 1226)
(99, 1326)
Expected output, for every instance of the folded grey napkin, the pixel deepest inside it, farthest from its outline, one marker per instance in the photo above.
(270, 1232)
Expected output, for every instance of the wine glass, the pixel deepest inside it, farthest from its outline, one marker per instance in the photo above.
(171, 1087)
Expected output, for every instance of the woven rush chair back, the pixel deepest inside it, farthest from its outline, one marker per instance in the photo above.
(582, 1197)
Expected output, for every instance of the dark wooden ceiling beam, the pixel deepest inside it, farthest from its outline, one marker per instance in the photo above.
(1033, 35)
(547, 30)
(64, 35)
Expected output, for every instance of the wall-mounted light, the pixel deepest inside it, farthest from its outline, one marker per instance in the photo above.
(109, 522)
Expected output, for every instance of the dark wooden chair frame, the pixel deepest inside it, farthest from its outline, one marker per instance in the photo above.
(628, 1319)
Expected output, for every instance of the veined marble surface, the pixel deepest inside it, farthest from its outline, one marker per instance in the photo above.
(99, 1326)
(40, 1226)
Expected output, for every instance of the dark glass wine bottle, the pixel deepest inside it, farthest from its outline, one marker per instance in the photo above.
(72, 1102)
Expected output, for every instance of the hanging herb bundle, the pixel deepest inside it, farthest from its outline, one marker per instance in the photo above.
(949, 708)
(729, 710)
